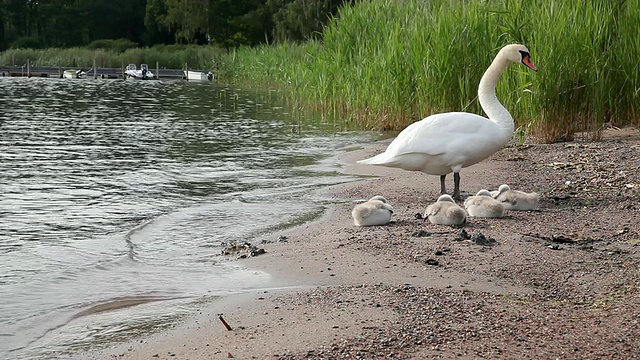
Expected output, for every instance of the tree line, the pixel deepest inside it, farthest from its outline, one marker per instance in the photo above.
(132, 23)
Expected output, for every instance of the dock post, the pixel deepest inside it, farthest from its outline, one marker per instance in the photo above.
(95, 71)
(157, 70)
(186, 71)
(28, 68)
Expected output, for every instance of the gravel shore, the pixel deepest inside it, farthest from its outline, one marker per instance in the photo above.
(558, 283)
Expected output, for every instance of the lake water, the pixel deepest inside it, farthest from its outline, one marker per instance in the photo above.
(116, 198)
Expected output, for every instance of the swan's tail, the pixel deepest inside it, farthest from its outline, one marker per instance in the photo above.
(380, 159)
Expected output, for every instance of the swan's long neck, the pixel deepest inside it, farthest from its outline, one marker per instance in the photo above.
(488, 99)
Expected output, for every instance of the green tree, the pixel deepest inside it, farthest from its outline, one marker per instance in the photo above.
(60, 23)
(301, 20)
(154, 22)
(189, 18)
(16, 15)
(3, 43)
(234, 23)
(114, 19)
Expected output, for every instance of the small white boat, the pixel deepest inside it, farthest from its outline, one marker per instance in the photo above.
(132, 72)
(198, 75)
(74, 74)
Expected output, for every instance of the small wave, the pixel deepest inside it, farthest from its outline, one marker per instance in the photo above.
(120, 303)
(130, 244)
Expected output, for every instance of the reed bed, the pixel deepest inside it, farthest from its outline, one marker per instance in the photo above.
(167, 56)
(383, 64)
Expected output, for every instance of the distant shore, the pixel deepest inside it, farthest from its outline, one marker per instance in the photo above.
(103, 73)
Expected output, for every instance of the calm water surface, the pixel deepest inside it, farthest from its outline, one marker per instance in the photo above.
(116, 198)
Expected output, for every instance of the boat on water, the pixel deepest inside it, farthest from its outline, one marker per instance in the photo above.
(132, 72)
(198, 75)
(74, 74)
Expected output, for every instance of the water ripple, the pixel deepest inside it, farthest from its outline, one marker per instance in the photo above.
(115, 197)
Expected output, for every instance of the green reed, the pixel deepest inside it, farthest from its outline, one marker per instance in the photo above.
(384, 63)
(167, 56)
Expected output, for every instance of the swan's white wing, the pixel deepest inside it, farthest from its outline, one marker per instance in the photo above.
(437, 133)
(441, 142)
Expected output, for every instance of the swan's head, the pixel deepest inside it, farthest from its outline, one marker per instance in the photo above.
(379, 198)
(518, 53)
(445, 197)
(483, 192)
(503, 188)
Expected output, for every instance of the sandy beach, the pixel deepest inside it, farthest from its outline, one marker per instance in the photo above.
(558, 283)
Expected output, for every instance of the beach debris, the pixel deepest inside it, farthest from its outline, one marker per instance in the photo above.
(462, 235)
(432, 262)
(281, 238)
(421, 233)
(243, 249)
(556, 238)
(224, 322)
(554, 246)
(477, 238)
(229, 355)
(480, 239)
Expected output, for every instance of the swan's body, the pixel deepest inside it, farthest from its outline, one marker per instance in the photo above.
(484, 206)
(443, 143)
(517, 200)
(445, 212)
(375, 211)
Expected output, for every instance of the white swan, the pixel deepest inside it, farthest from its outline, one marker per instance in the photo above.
(444, 143)
(445, 212)
(517, 200)
(484, 206)
(375, 211)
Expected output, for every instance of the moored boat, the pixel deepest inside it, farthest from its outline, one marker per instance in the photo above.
(198, 75)
(132, 72)
(74, 74)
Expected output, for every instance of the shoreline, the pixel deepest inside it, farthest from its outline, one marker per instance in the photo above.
(339, 290)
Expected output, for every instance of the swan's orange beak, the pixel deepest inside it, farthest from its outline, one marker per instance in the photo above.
(526, 60)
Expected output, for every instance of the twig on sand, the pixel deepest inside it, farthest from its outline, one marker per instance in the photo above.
(224, 322)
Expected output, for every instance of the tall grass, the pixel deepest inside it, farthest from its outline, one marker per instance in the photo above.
(384, 63)
(167, 56)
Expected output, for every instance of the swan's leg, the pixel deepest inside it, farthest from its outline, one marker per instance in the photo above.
(443, 188)
(456, 186)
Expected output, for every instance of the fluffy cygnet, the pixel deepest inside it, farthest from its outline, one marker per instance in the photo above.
(517, 200)
(375, 211)
(445, 212)
(484, 206)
